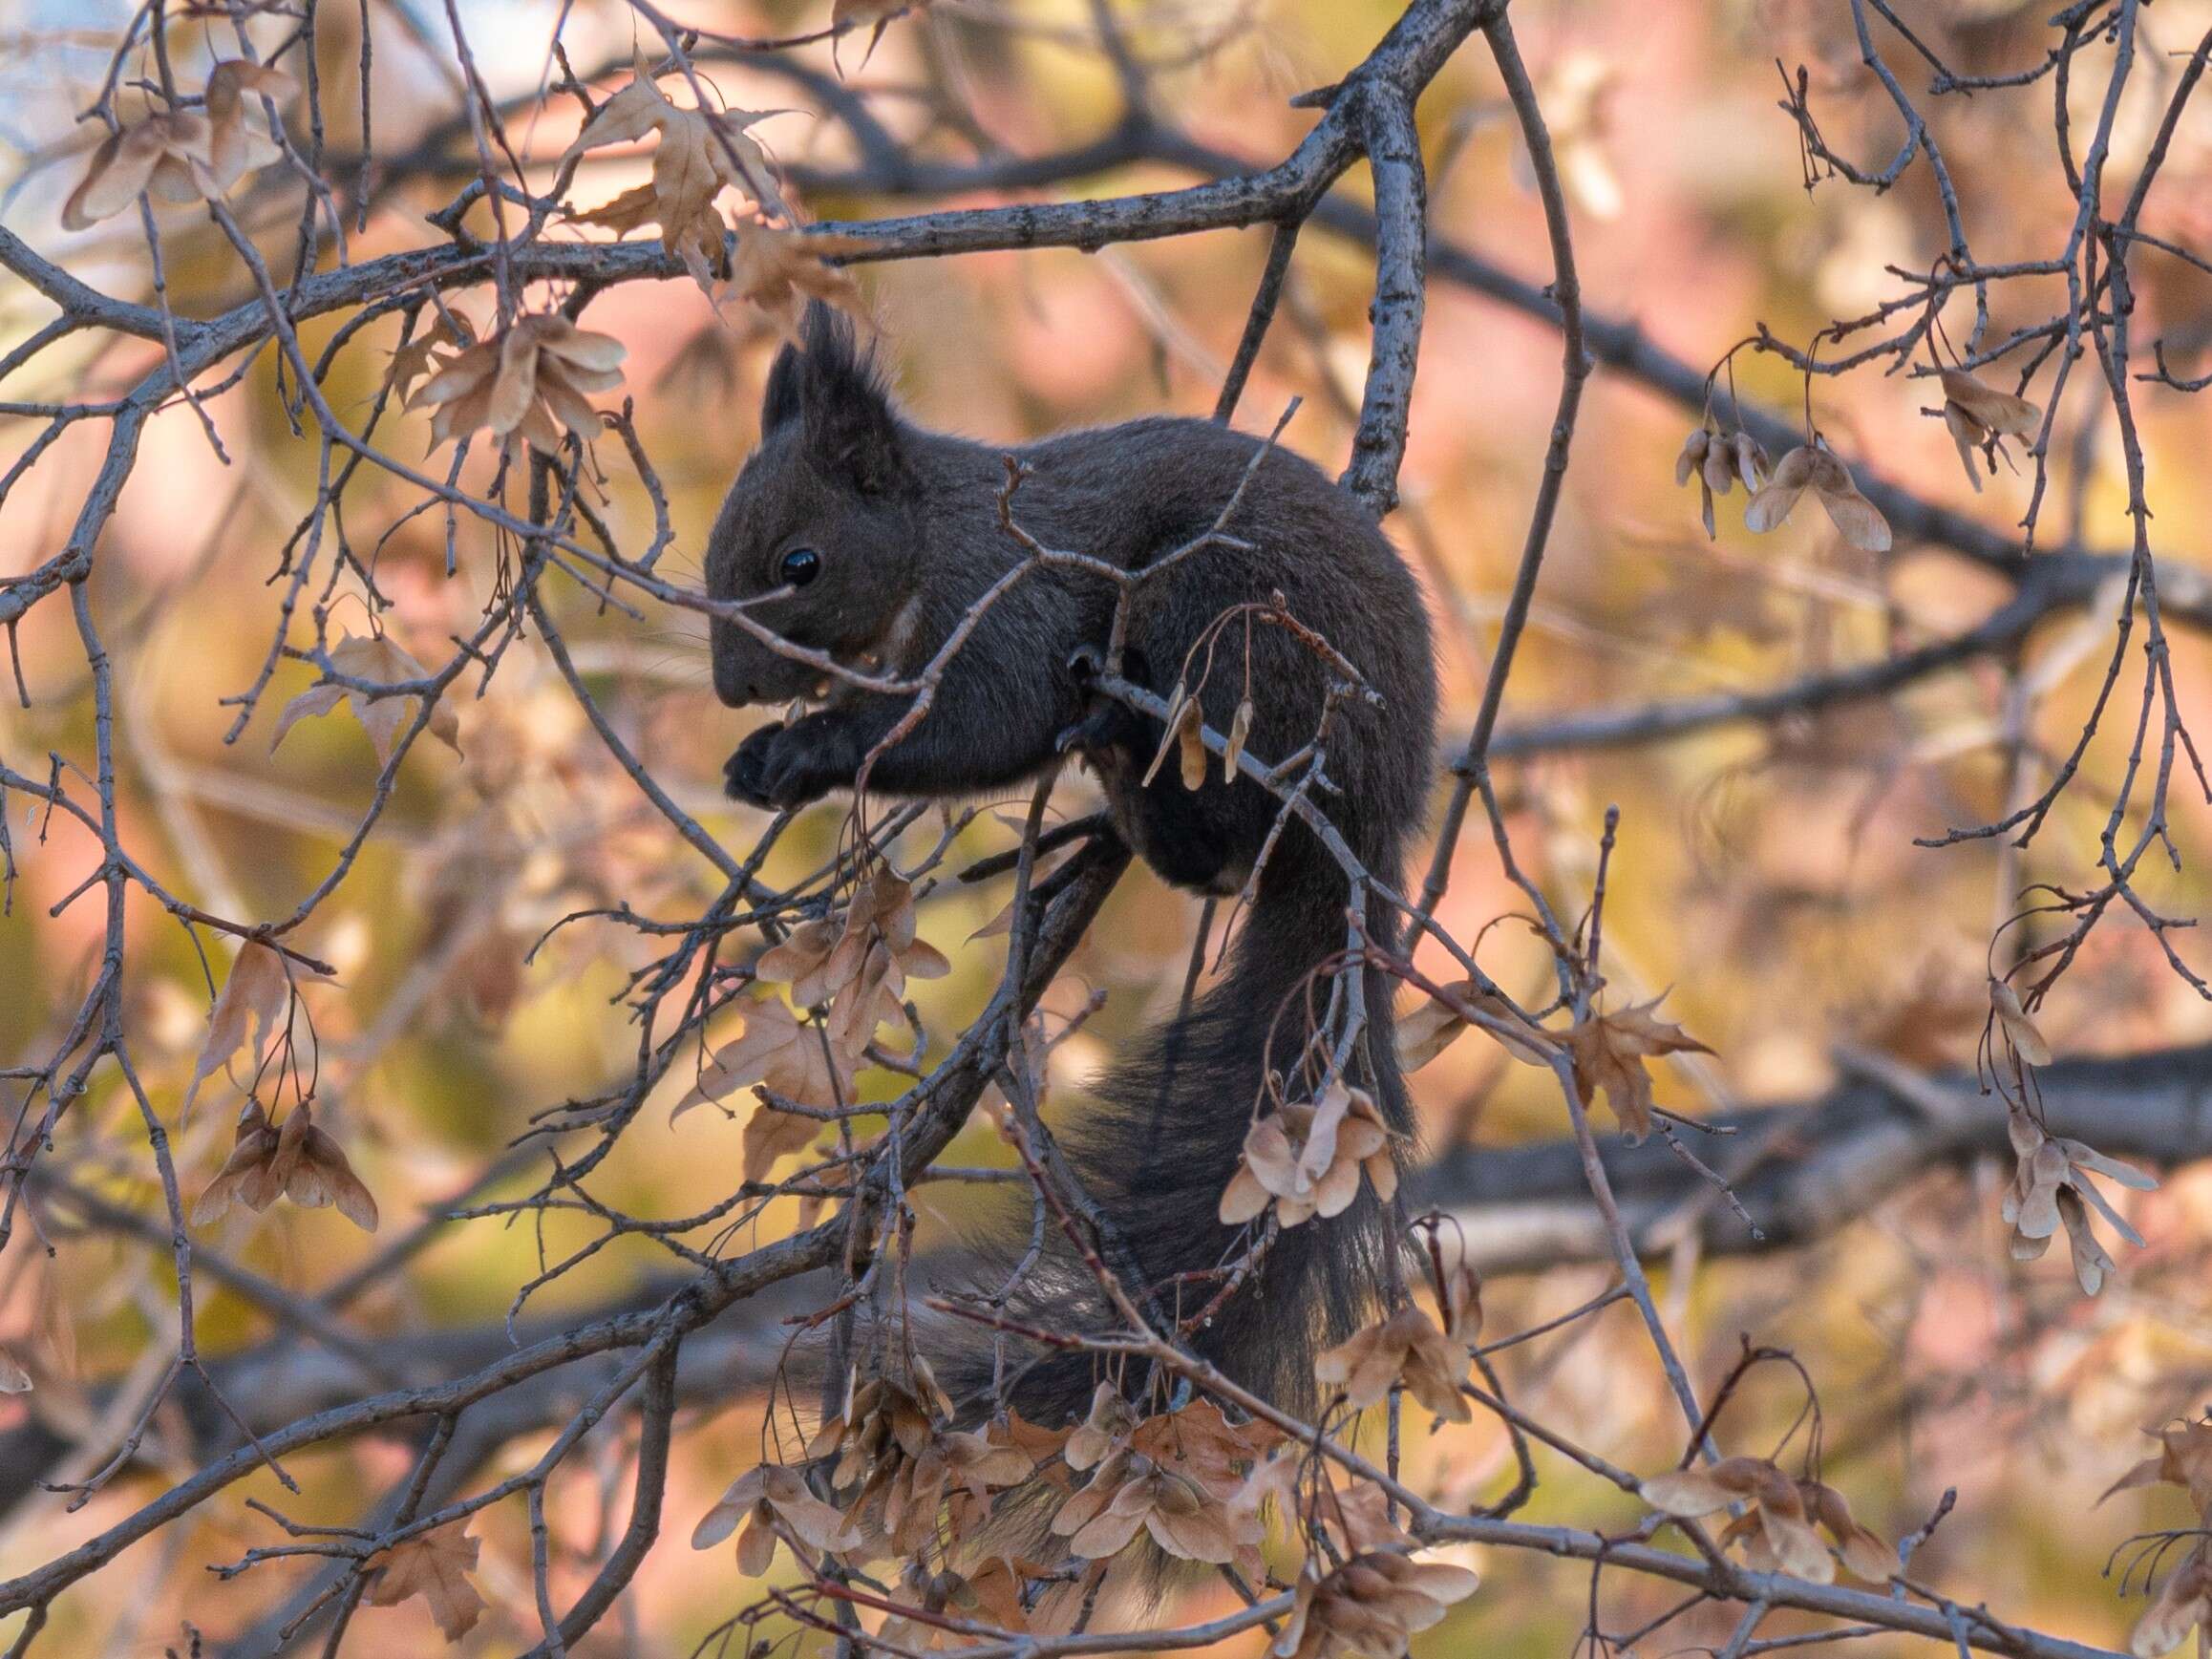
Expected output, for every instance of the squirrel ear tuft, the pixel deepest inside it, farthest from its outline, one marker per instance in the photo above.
(834, 386)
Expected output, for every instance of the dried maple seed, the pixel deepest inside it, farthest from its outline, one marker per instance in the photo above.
(1980, 417)
(1814, 467)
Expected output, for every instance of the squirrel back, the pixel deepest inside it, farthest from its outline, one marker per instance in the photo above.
(866, 539)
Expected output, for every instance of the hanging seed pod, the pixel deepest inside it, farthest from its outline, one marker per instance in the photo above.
(1240, 729)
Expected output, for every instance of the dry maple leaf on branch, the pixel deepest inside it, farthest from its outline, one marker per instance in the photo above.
(800, 1062)
(1610, 1051)
(2185, 1459)
(433, 1565)
(530, 380)
(186, 154)
(257, 994)
(380, 660)
(436, 348)
(698, 153)
(779, 271)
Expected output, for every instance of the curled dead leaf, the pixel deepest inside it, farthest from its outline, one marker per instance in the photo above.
(1610, 1051)
(433, 1565)
(257, 994)
(1406, 1347)
(779, 271)
(379, 660)
(1981, 417)
(2185, 1459)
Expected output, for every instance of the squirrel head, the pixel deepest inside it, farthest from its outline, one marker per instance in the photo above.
(824, 517)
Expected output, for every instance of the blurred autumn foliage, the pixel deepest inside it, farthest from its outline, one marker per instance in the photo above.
(339, 1067)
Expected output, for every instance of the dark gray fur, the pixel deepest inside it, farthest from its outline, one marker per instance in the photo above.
(901, 515)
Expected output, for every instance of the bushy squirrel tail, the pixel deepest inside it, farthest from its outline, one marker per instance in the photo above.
(1156, 1153)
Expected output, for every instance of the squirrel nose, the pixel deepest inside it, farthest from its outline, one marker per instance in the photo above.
(734, 691)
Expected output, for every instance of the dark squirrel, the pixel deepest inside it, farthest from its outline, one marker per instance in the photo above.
(886, 534)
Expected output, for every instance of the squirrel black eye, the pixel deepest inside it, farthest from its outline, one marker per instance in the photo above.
(799, 567)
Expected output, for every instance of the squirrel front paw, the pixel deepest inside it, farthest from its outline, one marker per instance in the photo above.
(779, 767)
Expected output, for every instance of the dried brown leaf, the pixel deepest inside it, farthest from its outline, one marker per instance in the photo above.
(253, 999)
(379, 660)
(433, 1565)
(1610, 1051)
(779, 271)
